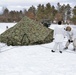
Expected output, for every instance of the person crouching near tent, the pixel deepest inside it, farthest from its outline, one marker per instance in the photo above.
(58, 37)
(69, 34)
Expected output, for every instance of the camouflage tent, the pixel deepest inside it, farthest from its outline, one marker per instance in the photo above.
(27, 32)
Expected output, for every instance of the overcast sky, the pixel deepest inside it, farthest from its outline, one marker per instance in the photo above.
(25, 4)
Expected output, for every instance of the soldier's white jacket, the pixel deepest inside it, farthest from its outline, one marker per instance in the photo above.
(59, 33)
(74, 33)
(69, 34)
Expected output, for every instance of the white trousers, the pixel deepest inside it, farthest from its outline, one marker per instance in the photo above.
(56, 46)
(74, 43)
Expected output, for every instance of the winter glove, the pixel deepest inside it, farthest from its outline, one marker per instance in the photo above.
(70, 41)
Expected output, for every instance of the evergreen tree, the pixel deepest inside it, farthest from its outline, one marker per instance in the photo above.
(68, 12)
(74, 11)
(63, 11)
(48, 11)
(40, 14)
(58, 7)
(5, 11)
(31, 13)
(74, 15)
(54, 11)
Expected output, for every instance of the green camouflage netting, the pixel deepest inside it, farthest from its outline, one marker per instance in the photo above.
(27, 32)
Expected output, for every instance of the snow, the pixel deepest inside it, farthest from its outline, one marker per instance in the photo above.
(35, 59)
(3, 26)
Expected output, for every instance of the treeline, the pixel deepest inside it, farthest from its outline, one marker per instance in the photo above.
(62, 12)
(10, 16)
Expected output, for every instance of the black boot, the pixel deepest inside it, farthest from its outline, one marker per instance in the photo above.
(65, 48)
(74, 49)
(60, 51)
(52, 51)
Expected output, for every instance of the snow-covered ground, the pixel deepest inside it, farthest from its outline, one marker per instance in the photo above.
(36, 59)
